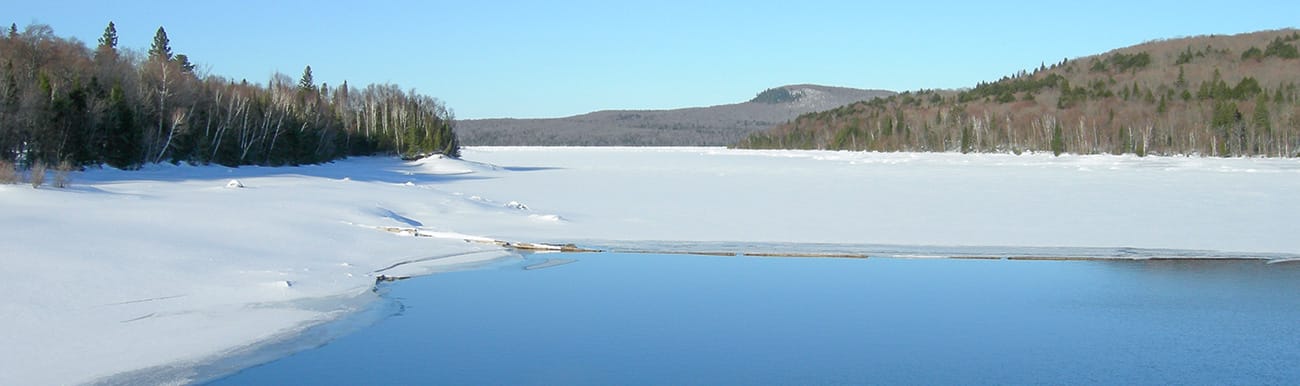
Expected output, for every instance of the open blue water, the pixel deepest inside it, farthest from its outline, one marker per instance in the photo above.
(678, 319)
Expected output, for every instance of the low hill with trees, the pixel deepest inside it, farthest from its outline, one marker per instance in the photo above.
(700, 126)
(1206, 95)
(64, 103)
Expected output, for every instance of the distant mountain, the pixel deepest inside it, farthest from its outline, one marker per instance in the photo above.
(1209, 95)
(699, 126)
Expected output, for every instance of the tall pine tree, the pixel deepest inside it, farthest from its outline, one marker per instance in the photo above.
(109, 40)
(306, 83)
(106, 53)
(161, 48)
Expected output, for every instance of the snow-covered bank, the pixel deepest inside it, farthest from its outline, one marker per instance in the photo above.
(169, 266)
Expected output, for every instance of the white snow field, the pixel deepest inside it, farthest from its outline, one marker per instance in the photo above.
(157, 271)
(713, 194)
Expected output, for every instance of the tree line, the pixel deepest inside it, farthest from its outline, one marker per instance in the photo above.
(63, 102)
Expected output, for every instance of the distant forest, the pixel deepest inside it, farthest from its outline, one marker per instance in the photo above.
(1207, 95)
(64, 103)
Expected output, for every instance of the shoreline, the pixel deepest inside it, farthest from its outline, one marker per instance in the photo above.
(353, 311)
(310, 334)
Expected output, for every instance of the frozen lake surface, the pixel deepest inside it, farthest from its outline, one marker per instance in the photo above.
(170, 275)
(613, 318)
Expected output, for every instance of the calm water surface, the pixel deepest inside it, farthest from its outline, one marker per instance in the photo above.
(675, 319)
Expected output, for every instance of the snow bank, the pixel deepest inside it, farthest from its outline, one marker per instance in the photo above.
(165, 266)
(438, 164)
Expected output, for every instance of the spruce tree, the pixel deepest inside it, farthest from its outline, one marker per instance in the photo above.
(1058, 140)
(183, 61)
(306, 84)
(107, 49)
(967, 140)
(109, 40)
(1223, 123)
(161, 48)
(1260, 117)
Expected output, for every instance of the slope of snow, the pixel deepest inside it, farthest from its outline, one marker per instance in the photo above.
(169, 267)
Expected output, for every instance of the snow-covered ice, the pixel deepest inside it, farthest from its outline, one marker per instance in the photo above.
(166, 268)
(712, 194)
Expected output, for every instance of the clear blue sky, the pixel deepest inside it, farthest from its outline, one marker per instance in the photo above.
(556, 58)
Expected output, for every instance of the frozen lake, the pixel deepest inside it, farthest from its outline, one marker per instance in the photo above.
(681, 319)
(217, 290)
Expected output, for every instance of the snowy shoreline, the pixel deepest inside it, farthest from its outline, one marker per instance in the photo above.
(168, 268)
(125, 273)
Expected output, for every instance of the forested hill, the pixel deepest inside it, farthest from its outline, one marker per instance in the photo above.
(1205, 95)
(62, 102)
(711, 126)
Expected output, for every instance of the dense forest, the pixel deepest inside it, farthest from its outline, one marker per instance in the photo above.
(64, 103)
(1207, 95)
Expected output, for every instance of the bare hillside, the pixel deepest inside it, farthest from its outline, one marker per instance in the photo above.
(700, 126)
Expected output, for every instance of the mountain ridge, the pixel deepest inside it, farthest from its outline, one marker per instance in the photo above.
(716, 125)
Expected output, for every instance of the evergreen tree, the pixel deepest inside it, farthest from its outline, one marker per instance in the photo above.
(306, 84)
(1281, 49)
(1223, 124)
(9, 134)
(183, 61)
(106, 52)
(1218, 87)
(967, 140)
(1260, 118)
(109, 40)
(1058, 140)
(161, 48)
(452, 149)
(1125, 141)
(1246, 88)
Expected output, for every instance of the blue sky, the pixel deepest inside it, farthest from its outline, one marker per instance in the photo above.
(556, 58)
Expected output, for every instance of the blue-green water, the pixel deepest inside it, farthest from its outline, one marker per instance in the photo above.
(678, 319)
